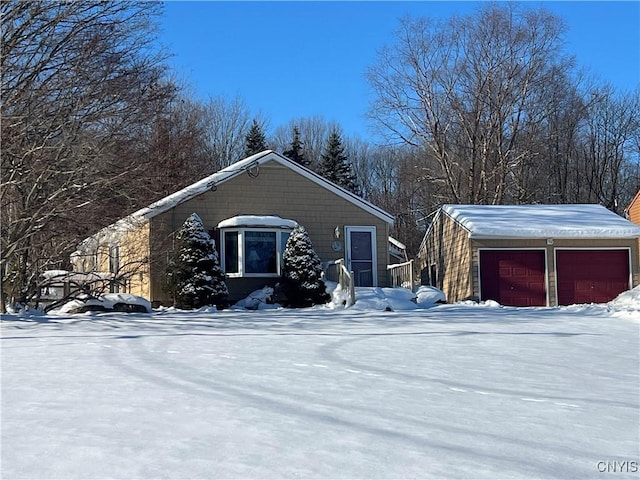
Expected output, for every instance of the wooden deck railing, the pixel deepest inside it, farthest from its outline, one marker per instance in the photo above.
(401, 275)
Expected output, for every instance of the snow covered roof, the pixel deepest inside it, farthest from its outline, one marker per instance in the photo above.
(65, 275)
(397, 243)
(541, 221)
(397, 248)
(247, 165)
(257, 221)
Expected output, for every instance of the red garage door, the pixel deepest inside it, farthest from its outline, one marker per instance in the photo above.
(591, 276)
(513, 277)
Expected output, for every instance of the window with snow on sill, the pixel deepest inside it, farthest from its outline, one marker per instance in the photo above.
(252, 245)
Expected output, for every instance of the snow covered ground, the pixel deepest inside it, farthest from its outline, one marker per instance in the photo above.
(450, 391)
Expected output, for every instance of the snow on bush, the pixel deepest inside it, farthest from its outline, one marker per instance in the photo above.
(387, 299)
(195, 275)
(394, 299)
(427, 296)
(258, 300)
(302, 272)
(384, 299)
(109, 301)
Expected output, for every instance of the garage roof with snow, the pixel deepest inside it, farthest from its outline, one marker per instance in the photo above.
(541, 221)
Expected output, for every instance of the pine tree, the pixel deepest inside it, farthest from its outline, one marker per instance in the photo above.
(195, 274)
(255, 140)
(295, 152)
(335, 165)
(302, 272)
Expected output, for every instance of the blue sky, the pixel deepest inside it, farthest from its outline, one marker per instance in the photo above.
(299, 59)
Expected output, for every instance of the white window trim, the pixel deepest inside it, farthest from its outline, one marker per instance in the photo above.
(241, 236)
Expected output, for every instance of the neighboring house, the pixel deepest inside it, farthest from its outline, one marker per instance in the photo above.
(632, 212)
(249, 208)
(530, 255)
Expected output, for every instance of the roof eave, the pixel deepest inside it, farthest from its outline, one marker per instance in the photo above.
(167, 203)
(554, 237)
(221, 176)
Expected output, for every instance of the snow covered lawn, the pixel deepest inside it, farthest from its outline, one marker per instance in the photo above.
(453, 391)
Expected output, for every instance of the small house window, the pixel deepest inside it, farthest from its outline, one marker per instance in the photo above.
(230, 249)
(114, 259)
(260, 252)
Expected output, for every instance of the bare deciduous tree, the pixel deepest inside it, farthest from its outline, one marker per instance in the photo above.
(229, 122)
(77, 79)
(175, 148)
(463, 89)
(607, 149)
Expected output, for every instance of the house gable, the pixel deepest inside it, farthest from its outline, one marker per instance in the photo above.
(445, 257)
(251, 166)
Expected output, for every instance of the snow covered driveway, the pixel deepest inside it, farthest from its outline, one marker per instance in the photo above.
(454, 391)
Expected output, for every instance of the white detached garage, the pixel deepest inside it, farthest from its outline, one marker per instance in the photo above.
(530, 255)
